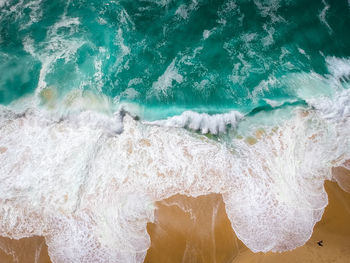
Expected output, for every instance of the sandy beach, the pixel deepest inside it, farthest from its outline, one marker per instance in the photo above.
(198, 230)
(25, 250)
(191, 229)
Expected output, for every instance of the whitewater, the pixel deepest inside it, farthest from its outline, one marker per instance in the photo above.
(103, 113)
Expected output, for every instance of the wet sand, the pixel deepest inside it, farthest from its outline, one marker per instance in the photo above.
(333, 230)
(197, 230)
(191, 229)
(188, 230)
(25, 250)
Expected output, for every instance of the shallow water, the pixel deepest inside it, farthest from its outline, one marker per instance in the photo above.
(202, 233)
(188, 229)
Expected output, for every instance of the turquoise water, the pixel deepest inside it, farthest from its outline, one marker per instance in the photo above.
(266, 81)
(171, 56)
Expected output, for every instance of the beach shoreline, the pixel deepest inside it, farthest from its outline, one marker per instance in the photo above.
(197, 229)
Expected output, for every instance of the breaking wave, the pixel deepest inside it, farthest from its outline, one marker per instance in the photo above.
(105, 110)
(90, 191)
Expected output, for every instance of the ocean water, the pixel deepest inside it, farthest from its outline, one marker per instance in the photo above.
(109, 106)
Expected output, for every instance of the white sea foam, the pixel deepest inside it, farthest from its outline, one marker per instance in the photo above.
(20, 10)
(87, 179)
(323, 14)
(206, 34)
(269, 9)
(57, 47)
(312, 85)
(302, 51)
(2, 3)
(184, 11)
(339, 68)
(262, 87)
(273, 103)
(165, 81)
(130, 93)
(90, 191)
(202, 122)
(134, 81)
(330, 110)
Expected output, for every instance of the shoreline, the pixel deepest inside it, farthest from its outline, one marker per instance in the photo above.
(202, 232)
(174, 237)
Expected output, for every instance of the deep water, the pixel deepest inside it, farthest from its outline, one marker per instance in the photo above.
(170, 56)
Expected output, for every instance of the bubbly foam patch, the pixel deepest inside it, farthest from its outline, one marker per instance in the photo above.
(203, 122)
(165, 81)
(339, 67)
(322, 16)
(90, 192)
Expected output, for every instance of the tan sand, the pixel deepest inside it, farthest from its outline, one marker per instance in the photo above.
(192, 230)
(333, 230)
(187, 230)
(25, 250)
(197, 230)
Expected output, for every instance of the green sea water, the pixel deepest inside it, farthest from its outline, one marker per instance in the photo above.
(266, 81)
(170, 56)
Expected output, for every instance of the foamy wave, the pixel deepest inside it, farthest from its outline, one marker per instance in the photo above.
(322, 16)
(202, 122)
(90, 192)
(339, 67)
(57, 47)
(165, 81)
(333, 111)
(86, 178)
(2, 3)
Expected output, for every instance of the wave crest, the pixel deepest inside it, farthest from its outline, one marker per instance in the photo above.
(90, 192)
